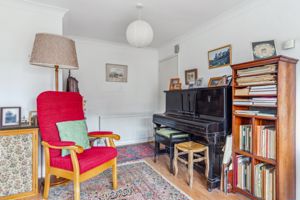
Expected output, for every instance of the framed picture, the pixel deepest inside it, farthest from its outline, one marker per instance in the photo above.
(116, 73)
(175, 84)
(220, 57)
(264, 49)
(32, 119)
(199, 82)
(10, 116)
(191, 76)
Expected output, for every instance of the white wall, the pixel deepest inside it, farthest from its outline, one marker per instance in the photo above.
(257, 21)
(136, 97)
(20, 83)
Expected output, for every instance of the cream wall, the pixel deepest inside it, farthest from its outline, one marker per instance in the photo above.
(257, 21)
(21, 82)
(126, 108)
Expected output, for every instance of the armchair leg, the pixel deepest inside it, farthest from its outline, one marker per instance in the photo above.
(76, 189)
(114, 175)
(47, 184)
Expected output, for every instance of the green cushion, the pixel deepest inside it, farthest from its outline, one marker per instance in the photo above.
(166, 132)
(74, 131)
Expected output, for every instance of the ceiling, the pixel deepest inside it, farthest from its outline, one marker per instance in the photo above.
(108, 19)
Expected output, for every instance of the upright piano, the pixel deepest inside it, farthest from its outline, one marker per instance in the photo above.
(206, 114)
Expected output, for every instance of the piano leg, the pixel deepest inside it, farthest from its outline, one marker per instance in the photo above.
(156, 150)
(213, 181)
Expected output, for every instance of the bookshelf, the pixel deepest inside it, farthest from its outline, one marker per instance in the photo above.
(272, 137)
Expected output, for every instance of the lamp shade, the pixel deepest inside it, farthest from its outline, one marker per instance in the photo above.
(139, 33)
(50, 50)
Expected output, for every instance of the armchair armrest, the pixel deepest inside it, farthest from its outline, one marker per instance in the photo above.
(110, 136)
(64, 145)
(100, 133)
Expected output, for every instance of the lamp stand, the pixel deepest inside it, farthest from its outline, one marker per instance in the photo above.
(56, 77)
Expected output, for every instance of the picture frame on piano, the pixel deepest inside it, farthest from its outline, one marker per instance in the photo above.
(175, 84)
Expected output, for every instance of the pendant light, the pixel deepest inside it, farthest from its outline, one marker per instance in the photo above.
(139, 32)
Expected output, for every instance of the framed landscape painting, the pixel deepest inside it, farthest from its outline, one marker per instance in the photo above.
(116, 73)
(220, 57)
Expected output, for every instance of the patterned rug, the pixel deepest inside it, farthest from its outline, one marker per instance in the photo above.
(135, 152)
(136, 181)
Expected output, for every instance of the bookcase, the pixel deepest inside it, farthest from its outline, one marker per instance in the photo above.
(263, 128)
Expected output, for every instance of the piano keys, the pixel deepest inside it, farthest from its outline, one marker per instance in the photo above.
(206, 114)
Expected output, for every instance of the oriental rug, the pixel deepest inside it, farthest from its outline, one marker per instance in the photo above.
(135, 152)
(136, 181)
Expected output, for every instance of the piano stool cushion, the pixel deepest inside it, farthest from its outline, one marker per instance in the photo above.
(74, 131)
(166, 132)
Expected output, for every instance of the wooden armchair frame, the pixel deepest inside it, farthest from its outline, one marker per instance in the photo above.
(75, 174)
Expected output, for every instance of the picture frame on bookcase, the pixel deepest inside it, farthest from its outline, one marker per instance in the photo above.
(263, 49)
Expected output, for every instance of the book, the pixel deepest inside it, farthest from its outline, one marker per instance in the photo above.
(246, 137)
(243, 91)
(266, 141)
(257, 70)
(256, 83)
(266, 77)
(244, 173)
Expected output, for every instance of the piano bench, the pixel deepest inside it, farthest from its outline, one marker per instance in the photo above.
(168, 137)
(192, 149)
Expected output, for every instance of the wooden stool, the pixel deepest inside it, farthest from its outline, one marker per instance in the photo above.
(191, 148)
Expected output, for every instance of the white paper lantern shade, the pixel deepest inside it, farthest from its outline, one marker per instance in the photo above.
(139, 33)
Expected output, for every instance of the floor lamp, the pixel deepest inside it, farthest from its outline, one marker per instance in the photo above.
(56, 51)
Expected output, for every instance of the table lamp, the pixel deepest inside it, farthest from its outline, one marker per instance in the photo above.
(56, 51)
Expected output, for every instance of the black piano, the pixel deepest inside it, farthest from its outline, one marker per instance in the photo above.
(206, 114)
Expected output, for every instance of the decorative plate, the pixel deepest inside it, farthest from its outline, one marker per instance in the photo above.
(265, 49)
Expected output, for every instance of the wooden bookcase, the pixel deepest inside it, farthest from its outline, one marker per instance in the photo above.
(284, 121)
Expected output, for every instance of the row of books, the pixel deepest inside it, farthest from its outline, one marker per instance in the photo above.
(266, 141)
(264, 181)
(243, 173)
(257, 90)
(246, 137)
(272, 101)
(257, 70)
(266, 113)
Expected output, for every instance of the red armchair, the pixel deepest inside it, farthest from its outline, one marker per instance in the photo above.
(80, 165)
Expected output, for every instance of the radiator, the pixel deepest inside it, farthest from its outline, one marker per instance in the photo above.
(133, 128)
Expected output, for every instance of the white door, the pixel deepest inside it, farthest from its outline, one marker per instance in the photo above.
(168, 68)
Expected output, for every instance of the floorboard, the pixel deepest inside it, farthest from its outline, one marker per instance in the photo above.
(199, 191)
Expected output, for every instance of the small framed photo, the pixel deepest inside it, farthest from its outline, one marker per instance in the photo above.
(116, 73)
(10, 116)
(175, 84)
(220, 57)
(33, 118)
(191, 76)
(264, 49)
(214, 81)
(199, 82)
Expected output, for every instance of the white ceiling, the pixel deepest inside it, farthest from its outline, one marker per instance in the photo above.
(108, 19)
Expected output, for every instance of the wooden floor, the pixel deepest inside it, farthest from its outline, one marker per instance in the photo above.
(199, 191)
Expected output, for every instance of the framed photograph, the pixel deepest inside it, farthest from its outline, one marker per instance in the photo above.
(191, 76)
(10, 116)
(174, 84)
(220, 57)
(264, 49)
(32, 119)
(116, 73)
(199, 82)
(214, 81)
